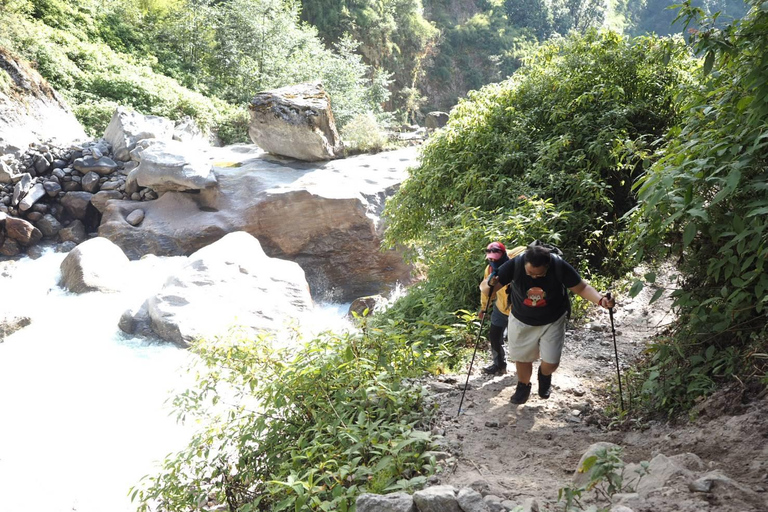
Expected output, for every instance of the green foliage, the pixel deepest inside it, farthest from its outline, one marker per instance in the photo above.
(303, 429)
(394, 36)
(550, 153)
(606, 478)
(657, 16)
(706, 201)
(363, 134)
(137, 53)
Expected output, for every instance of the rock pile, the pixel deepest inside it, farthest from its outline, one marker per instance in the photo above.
(58, 193)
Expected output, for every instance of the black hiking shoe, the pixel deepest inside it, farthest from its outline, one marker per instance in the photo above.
(545, 385)
(495, 369)
(522, 393)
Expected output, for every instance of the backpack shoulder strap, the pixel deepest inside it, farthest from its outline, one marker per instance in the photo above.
(557, 262)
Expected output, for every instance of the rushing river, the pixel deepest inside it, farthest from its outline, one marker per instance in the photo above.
(83, 413)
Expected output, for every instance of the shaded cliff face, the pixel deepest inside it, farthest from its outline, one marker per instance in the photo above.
(30, 110)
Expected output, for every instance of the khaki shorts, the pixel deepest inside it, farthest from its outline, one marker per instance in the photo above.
(529, 342)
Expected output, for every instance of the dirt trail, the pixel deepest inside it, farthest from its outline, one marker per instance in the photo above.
(532, 450)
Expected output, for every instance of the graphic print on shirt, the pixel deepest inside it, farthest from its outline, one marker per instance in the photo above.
(536, 297)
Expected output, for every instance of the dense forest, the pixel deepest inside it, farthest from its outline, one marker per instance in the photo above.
(393, 59)
(601, 127)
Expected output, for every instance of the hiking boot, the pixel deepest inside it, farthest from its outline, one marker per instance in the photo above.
(545, 385)
(522, 393)
(495, 369)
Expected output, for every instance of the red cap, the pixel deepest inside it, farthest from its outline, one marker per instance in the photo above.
(495, 250)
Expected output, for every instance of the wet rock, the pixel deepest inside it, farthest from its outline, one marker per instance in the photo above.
(76, 204)
(90, 182)
(36, 193)
(127, 128)
(22, 231)
(49, 226)
(94, 265)
(74, 232)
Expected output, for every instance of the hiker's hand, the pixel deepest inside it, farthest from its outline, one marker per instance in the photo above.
(481, 314)
(492, 279)
(607, 302)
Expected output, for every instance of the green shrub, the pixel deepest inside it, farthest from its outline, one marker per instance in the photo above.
(551, 153)
(363, 134)
(303, 429)
(705, 202)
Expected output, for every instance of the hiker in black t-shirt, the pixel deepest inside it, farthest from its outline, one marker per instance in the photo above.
(540, 308)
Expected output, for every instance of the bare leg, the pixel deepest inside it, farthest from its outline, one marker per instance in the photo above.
(524, 372)
(546, 368)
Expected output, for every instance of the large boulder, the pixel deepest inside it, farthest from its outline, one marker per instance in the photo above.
(94, 265)
(229, 284)
(128, 127)
(295, 121)
(324, 217)
(30, 110)
(170, 165)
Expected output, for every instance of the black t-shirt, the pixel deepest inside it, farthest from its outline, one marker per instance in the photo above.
(542, 300)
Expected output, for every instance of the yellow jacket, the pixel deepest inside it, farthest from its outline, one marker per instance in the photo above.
(502, 302)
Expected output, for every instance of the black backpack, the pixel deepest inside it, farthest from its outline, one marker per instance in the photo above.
(556, 256)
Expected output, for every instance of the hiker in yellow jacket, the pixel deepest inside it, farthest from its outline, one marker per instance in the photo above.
(496, 255)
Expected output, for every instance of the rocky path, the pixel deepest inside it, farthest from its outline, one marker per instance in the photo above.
(524, 453)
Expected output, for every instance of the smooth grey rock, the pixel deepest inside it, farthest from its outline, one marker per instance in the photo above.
(22, 231)
(7, 174)
(135, 217)
(66, 246)
(170, 165)
(395, 502)
(660, 470)
(295, 121)
(36, 193)
(74, 232)
(102, 166)
(94, 265)
(35, 251)
(471, 501)
(21, 188)
(49, 226)
(52, 188)
(204, 299)
(76, 203)
(10, 247)
(100, 198)
(440, 498)
(337, 242)
(127, 128)
(90, 182)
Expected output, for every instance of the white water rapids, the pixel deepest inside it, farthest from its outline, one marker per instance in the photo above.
(82, 405)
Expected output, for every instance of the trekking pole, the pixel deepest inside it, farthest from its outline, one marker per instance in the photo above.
(480, 330)
(616, 353)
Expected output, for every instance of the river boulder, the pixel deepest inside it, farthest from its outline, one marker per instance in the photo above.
(230, 284)
(323, 217)
(170, 165)
(295, 121)
(127, 127)
(94, 265)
